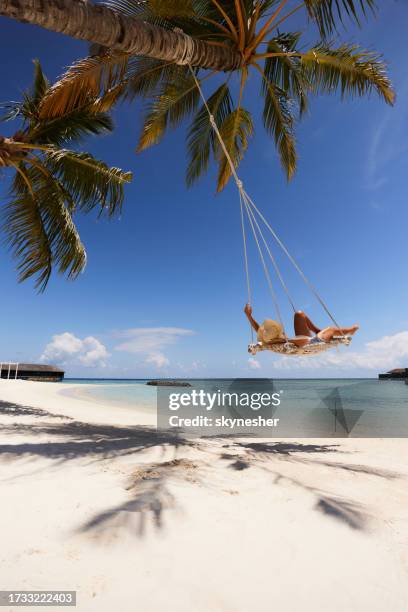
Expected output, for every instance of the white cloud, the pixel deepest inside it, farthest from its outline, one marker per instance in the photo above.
(69, 349)
(194, 366)
(253, 364)
(387, 144)
(383, 354)
(150, 341)
(94, 352)
(158, 359)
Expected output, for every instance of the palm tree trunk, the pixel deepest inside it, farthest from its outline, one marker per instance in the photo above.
(99, 24)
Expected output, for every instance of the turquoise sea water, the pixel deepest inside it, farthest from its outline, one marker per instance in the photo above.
(374, 408)
(121, 393)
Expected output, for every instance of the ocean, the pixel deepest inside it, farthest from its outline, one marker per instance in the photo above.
(309, 407)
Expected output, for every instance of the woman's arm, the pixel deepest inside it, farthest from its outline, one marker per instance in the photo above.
(248, 312)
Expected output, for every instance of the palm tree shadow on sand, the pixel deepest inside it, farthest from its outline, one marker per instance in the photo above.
(254, 454)
(150, 486)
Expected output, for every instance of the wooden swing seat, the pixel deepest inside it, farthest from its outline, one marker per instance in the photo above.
(288, 348)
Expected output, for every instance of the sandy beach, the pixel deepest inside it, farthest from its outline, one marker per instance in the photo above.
(95, 500)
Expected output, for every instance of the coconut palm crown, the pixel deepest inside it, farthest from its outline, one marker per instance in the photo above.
(287, 74)
(51, 183)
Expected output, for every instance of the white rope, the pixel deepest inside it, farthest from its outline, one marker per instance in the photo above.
(246, 260)
(245, 249)
(295, 264)
(265, 267)
(188, 51)
(273, 260)
(214, 125)
(248, 202)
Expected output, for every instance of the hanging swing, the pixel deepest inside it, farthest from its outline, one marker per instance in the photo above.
(258, 225)
(286, 348)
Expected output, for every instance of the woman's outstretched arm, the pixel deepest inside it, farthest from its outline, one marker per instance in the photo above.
(248, 312)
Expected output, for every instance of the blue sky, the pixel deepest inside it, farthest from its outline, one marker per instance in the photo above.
(164, 288)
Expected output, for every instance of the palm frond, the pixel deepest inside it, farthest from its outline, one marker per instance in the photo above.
(176, 101)
(108, 99)
(25, 234)
(235, 131)
(50, 184)
(194, 17)
(349, 69)
(85, 80)
(41, 83)
(141, 10)
(71, 127)
(201, 133)
(90, 182)
(266, 5)
(40, 231)
(326, 13)
(285, 71)
(170, 9)
(145, 75)
(278, 121)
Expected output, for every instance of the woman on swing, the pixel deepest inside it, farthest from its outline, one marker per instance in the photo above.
(306, 332)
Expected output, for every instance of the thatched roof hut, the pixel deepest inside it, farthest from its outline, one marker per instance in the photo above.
(31, 371)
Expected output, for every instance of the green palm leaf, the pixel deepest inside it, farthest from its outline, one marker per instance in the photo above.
(278, 121)
(177, 100)
(74, 126)
(235, 131)
(90, 182)
(145, 75)
(41, 84)
(141, 10)
(285, 71)
(51, 183)
(348, 69)
(201, 136)
(86, 80)
(266, 5)
(170, 9)
(325, 13)
(40, 231)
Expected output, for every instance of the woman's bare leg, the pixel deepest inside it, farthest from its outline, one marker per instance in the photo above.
(312, 326)
(300, 341)
(303, 325)
(328, 333)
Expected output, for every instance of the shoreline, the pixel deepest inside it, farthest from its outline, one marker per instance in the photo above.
(56, 398)
(99, 502)
(79, 392)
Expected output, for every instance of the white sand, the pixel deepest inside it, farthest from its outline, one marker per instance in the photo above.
(100, 505)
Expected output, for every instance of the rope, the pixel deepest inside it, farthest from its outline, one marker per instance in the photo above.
(295, 264)
(188, 51)
(213, 123)
(246, 259)
(238, 182)
(265, 267)
(248, 202)
(245, 250)
(273, 260)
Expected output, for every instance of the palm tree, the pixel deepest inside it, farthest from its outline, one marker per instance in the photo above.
(99, 24)
(51, 184)
(287, 73)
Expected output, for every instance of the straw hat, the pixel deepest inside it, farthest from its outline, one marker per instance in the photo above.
(269, 331)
